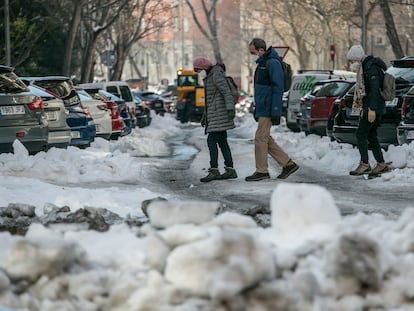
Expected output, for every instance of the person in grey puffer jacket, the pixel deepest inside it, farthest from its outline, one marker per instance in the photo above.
(219, 112)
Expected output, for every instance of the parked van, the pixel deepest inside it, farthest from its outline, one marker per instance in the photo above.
(302, 83)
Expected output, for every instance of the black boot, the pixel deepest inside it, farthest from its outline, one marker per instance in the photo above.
(213, 173)
(229, 173)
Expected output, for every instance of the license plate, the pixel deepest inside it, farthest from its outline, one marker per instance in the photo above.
(75, 134)
(51, 116)
(11, 110)
(410, 134)
(158, 105)
(356, 111)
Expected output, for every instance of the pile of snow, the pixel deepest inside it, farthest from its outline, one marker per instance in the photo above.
(189, 258)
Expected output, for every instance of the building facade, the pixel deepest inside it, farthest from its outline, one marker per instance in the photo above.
(157, 57)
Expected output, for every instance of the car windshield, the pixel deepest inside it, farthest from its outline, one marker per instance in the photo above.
(315, 89)
(59, 87)
(187, 80)
(41, 93)
(10, 83)
(125, 93)
(332, 89)
(402, 72)
(110, 95)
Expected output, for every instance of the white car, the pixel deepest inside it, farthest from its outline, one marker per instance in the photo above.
(99, 113)
(119, 89)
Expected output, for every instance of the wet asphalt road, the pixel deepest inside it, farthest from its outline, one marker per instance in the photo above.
(352, 194)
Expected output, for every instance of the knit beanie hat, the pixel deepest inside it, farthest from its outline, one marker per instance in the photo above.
(202, 63)
(356, 52)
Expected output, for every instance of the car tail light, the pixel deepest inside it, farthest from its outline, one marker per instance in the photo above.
(113, 109)
(86, 111)
(37, 104)
(20, 134)
(403, 109)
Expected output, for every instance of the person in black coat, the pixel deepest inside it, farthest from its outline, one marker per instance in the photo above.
(368, 99)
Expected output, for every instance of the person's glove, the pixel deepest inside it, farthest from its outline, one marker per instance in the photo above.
(203, 120)
(231, 114)
(275, 120)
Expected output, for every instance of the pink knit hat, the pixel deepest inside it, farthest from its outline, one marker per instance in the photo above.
(202, 63)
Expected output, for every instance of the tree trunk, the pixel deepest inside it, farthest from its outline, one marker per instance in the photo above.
(391, 30)
(122, 54)
(74, 25)
(88, 61)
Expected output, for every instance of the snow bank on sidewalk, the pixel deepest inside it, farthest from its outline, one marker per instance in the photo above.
(310, 259)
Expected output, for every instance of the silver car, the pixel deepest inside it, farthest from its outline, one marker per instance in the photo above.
(55, 113)
(99, 112)
(21, 115)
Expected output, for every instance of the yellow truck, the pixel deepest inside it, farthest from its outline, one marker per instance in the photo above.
(190, 96)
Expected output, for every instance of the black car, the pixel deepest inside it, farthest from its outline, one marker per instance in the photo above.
(405, 130)
(345, 123)
(154, 101)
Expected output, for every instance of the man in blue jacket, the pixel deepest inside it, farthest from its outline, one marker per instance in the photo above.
(268, 92)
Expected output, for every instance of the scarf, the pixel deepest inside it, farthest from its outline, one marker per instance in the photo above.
(359, 88)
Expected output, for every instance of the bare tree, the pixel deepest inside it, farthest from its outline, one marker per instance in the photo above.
(137, 20)
(96, 18)
(73, 28)
(391, 29)
(210, 31)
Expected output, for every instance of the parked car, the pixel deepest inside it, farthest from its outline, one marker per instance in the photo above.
(405, 130)
(116, 106)
(345, 124)
(143, 113)
(119, 89)
(83, 130)
(21, 115)
(243, 106)
(322, 106)
(59, 135)
(302, 83)
(154, 101)
(99, 112)
(305, 106)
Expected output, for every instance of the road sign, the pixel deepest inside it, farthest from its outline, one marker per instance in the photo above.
(332, 52)
(281, 50)
(108, 58)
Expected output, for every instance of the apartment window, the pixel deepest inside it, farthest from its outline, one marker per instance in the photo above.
(185, 22)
